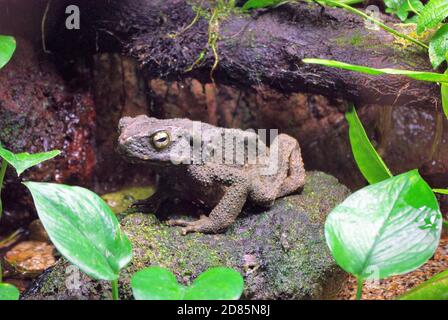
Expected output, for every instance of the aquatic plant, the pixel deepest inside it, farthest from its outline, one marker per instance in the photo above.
(7, 48)
(20, 162)
(156, 283)
(86, 232)
(390, 227)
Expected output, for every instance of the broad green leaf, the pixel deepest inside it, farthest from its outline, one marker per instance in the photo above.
(417, 75)
(438, 46)
(402, 8)
(24, 161)
(435, 288)
(432, 14)
(388, 228)
(369, 162)
(156, 283)
(7, 48)
(83, 228)
(8, 292)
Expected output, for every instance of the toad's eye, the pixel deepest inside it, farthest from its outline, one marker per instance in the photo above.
(160, 140)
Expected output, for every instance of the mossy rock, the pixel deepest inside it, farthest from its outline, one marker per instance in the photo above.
(281, 252)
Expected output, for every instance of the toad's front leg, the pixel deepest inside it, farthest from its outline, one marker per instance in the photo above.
(222, 216)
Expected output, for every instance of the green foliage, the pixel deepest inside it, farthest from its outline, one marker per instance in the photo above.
(258, 4)
(417, 75)
(8, 292)
(20, 162)
(24, 161)
(216, 12)
(444, 94)
(345, 5)
(432, 14)
(369, 162)
(7, 48)
(435, 288)
(441, 191)
(388, 228)
(83, 228)
(438, 46)
(402, 8)
(156, 283)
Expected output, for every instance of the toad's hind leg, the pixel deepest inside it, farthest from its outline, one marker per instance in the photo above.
(295, 178)
(288, 178)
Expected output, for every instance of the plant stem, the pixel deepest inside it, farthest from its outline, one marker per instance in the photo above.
(1, 274)
(2, 177)
(378, 23)
(115, 289)
(359, 290)
(412, 8)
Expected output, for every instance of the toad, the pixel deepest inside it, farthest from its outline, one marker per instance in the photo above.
(219, 168)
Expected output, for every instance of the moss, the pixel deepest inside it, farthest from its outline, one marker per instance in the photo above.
(121, 200)
(355, 39)
(281, 251)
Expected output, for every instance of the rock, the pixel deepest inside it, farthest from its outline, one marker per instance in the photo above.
(39, 112)
(31, 258)
(281, 251)
(121, 200)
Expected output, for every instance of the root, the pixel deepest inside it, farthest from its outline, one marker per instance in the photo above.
(218, 11)
(42, 27)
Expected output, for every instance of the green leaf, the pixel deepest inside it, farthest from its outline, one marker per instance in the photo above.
(83, 228)
(7, 48)
(435, 288)
(438, 46)
(24, 161)
(216, 284)
(8, 292)
(432, 14)
(417, 75)
(369, 162)
(441, 191)
(258, 4)
(444, 93)
(388, 228)
(402, 8)
(156, 283)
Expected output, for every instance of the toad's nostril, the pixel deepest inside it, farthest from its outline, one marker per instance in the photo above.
(122, 140)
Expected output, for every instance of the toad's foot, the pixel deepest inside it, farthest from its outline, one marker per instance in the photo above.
(204, 225)
(150, 205)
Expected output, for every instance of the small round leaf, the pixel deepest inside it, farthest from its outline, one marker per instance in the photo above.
(156, 283)
(216, 284)
(9, 292)
(7, 48)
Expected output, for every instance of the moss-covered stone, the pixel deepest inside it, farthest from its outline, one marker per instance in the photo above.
(121, 200)
(280, 251)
